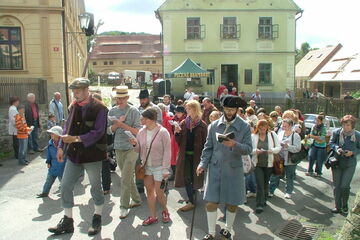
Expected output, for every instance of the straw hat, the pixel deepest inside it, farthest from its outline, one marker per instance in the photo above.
(120, 91)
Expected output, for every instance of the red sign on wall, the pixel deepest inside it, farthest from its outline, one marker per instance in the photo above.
(56, 49)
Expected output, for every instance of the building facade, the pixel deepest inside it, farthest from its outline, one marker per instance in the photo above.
(248, 42)
(40, 47)
(127, 52)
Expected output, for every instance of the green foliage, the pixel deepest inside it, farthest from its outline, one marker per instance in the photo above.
(5, 155)
(92, 75)
(356, 94)
(304, 49)
(119, 33)
(325, 236)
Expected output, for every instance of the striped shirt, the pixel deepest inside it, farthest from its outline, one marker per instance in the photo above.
(21, 126)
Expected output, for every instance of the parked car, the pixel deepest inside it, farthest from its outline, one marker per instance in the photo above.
(332, 123)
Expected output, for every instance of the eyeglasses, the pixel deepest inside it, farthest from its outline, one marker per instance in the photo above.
(120, 98)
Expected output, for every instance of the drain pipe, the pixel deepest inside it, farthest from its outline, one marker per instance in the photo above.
(65, 55)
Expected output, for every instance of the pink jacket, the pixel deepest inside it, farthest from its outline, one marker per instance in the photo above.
(161, 148)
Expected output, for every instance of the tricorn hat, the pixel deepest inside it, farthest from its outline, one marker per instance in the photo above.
(233, 102)
(180, 109)
(144, 94)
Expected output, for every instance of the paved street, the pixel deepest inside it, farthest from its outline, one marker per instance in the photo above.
(23, 216)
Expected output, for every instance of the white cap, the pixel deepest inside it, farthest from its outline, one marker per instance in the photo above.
(57, 130)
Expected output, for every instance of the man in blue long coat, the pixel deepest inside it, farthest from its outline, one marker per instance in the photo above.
(222, 159)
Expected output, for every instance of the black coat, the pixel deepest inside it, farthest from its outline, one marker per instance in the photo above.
(29, 114)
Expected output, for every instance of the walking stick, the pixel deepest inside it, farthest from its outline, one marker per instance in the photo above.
(193, 216)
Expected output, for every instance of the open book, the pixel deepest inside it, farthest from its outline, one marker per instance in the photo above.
(225, 137)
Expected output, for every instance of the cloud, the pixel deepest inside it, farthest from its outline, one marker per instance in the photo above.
(126, 15)
(327, 22)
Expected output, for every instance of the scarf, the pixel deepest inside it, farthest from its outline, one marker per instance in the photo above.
(83, 103)
(317, 129)
(190, 123)
(344, 134)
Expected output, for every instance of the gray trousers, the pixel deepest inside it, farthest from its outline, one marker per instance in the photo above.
(71, 175)
(341, 179)
(262, 175)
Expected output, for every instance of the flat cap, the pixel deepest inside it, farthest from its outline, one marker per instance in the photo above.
(79, 83)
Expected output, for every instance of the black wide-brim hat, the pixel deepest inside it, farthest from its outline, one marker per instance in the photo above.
(233, 102)
(144, 94)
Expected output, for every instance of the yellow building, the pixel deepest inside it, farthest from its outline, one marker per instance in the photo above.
(127, 52)
(33, 37)
(248, 42)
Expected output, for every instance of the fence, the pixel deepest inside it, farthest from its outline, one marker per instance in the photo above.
(331, 107)
(15, 86)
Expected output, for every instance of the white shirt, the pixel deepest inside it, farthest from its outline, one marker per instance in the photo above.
(189, 95)
(12, 126)
(149, 137)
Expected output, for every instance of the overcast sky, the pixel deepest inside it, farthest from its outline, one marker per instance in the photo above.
(324, 22)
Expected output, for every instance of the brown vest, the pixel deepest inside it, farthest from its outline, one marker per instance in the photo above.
(83, 122)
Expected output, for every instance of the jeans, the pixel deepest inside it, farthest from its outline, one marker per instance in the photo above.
(250, 183)
(262, 175)
(126, 160)
(23, 146)
(49, 182)
(71, 175)
(106, 175)
(34, 137)
(342, 177)
(16, 146)
(317, 155)
(290, 176)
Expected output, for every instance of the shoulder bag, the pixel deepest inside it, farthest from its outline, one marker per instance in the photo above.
(298, 156)
(140, 169)
(278, 164)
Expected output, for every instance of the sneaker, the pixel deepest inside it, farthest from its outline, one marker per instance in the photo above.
(309, 173)
(208, 237)
(318, 174)
(270, 195)
(149, 221)
(96, 225)
(165, 216)
(345, 210)
(287, 195)
(42, 195)
(134, 204)
(106, 192)
(225, 233)
(124, 212)
(66, 225)
(251, 195)
(336, 210)
(187, 207)
(259, 210)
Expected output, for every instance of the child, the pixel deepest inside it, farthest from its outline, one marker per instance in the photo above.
(56, 169)
(22, 134)
(214, 115)
(51, 121)
(180, 114)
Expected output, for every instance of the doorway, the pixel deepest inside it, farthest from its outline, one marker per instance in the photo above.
(229, 73)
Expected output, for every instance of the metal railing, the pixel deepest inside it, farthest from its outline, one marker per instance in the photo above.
(16, 86)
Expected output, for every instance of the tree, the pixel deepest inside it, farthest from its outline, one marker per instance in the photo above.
(300, 53)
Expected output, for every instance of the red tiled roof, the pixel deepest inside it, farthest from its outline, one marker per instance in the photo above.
(127, 46)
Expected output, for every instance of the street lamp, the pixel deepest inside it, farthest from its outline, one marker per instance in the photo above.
(84, 19)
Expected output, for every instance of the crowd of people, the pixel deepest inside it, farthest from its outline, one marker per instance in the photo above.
(190, 142)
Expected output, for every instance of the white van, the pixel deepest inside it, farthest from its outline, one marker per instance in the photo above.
(137, 77)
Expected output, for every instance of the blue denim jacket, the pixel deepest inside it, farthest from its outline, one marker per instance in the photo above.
(56, 168)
